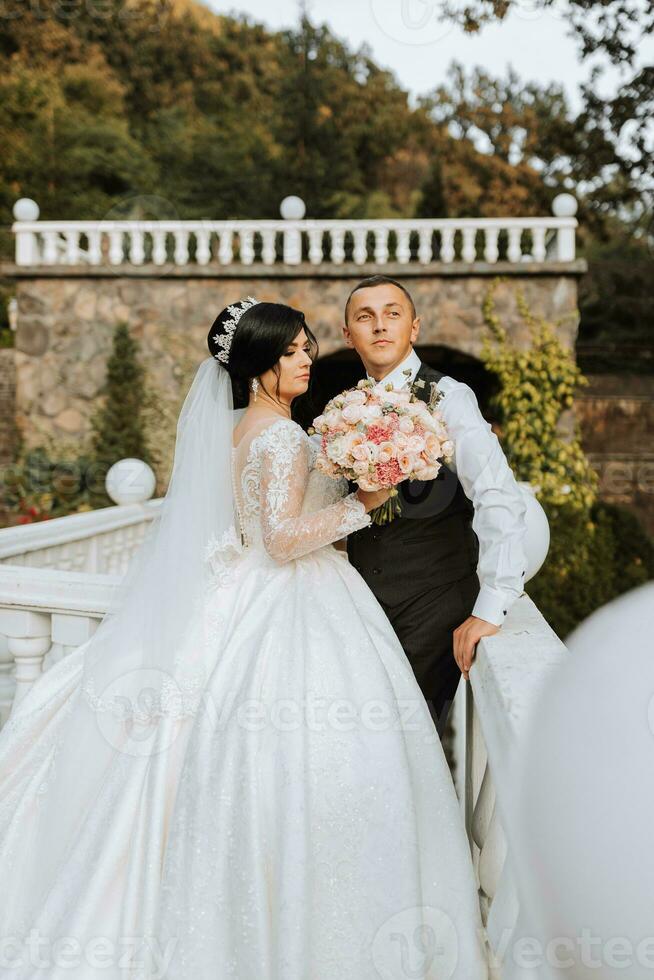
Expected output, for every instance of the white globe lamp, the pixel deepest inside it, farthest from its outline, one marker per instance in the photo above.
(25, 209)
(292, 208)
(130, 481)
(564, 206)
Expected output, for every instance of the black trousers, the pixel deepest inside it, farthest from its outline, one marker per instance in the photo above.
(424, 624)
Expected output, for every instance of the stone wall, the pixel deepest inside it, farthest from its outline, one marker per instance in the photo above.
(50, 384)
(66, 320)
(616, 413)
(8, 431)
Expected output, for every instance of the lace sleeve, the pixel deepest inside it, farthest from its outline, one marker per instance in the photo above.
(287, 533)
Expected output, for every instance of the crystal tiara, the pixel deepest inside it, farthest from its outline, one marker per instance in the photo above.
(224, 340)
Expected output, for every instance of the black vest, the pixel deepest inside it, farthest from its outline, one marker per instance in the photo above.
(430, 543)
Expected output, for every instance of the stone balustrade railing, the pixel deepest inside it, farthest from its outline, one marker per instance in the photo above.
(491, 713)
(293, 240)
(99, 541)
(44, 614)
(56, 580)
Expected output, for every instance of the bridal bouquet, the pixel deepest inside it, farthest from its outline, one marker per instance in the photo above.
(377, 436)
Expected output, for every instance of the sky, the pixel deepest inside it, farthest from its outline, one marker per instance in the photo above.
(406, 36)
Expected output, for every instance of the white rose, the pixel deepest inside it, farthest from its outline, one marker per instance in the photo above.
(406, 424)
(371, 413)
(332, 418)
(415, 444)
(427, 472)
(353, 413)
(380, 392)
(360, 452)
(334, 449)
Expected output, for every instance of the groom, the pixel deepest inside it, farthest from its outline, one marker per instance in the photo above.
(448, 568)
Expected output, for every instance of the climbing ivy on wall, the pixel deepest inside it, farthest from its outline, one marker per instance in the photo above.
(537, 388)
(597, 551)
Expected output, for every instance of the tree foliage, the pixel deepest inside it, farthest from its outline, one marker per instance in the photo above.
(164, 109)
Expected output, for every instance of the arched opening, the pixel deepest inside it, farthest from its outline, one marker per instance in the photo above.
(342, 369)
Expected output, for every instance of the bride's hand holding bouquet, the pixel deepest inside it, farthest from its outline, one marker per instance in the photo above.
(377, 436)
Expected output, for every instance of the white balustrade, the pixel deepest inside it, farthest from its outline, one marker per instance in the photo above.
(40, 610)
(56, 581)
(100, 541)
(205, 243)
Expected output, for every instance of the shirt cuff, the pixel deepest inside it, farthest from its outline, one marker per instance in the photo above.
(492, 606)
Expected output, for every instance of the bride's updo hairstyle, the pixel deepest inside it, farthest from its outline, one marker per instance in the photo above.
(262, 335)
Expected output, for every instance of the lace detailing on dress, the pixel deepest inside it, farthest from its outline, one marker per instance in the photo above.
(355, 516)
(288, 508)
(178, 698)
(285, 464)
(221, 555)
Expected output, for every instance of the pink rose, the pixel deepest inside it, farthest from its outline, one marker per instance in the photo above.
(427, 472)
(386, 451)
(407, 462)
(432, 445)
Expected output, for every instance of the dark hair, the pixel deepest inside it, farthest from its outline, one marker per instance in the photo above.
(381, 281)
(262, 336)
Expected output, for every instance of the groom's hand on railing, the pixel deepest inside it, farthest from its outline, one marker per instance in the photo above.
(466, 638)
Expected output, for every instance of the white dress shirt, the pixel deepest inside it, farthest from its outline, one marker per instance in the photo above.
(487, 479)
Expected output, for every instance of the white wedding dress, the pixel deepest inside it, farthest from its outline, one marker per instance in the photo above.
(301, 824)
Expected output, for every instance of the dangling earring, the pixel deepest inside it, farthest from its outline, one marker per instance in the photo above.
(254, 386)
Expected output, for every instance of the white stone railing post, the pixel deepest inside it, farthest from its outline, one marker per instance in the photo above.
(29, 637)
(205, 242)
(7, 680)
(565, 206)
(46, 612)
(292, 209)
(71, 631)
(26, 210)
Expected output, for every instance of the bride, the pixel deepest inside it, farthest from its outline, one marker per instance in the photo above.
(237, 775)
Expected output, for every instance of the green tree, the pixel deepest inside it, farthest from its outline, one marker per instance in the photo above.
(433, 203)
(617, 33)
(117, 427)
